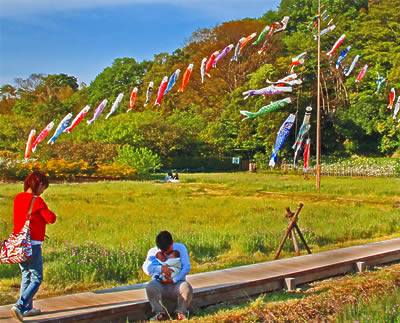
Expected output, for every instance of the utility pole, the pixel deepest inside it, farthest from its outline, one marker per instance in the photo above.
(318, 173)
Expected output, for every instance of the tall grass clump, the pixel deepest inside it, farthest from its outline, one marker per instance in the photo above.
(206, 247)
(93, 263)
(382, 309)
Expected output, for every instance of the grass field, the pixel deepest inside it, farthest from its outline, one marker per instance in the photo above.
(103, 230)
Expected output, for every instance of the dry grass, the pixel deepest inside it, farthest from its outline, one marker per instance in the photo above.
(322, 302)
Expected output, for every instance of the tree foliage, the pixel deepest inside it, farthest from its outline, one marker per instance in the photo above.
(204, 120)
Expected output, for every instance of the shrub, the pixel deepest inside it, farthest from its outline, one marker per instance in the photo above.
(141, 159)
(63, 169)
(95, 153)
(116, 170)
(262, 160)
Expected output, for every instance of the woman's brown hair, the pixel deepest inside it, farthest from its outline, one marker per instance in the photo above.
(33, 181)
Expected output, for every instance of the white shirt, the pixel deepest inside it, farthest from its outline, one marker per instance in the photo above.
(150, 269)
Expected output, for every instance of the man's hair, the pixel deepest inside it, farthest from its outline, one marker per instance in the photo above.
(164, 240)
(33, 181)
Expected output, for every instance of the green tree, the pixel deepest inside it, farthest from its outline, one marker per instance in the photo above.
(142, 160)
(124, 74)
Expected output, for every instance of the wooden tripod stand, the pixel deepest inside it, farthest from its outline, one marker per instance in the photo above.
(290, 230)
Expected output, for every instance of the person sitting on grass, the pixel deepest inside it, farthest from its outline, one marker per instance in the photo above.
(174, 178)
(173, 260)
(177, 287)
(168, 177)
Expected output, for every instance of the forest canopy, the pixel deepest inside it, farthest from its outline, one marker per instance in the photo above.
(204, 121)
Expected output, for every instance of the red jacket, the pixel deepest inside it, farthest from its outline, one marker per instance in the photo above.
(41, 215)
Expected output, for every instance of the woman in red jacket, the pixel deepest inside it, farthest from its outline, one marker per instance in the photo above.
(32, 269)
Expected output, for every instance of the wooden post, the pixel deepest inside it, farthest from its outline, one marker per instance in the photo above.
(289, 215)
(290, 227)
(291, 230)
(302, 238)
(295, 244)
(318, 147)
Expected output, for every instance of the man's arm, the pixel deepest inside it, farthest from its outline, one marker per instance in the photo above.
(148, 267)
(185, 263)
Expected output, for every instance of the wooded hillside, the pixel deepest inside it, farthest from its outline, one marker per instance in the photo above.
(204, 120)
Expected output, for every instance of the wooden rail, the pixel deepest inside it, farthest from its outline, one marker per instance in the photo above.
(344, 171)
(129, 302)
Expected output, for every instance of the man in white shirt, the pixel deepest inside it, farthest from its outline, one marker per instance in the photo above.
(177, 287)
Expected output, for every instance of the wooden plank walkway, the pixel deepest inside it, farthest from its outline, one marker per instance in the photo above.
(118, 304)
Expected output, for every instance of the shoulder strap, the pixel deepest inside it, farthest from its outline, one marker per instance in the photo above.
(31, 207)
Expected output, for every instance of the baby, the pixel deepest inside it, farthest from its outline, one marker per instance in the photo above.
(173, 261)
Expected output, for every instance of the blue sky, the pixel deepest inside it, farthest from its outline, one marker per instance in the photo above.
(82, 37)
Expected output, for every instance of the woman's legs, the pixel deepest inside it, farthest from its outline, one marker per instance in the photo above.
(32, 277)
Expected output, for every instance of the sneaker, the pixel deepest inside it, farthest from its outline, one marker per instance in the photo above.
(160, 316)
(17, 313)
(32, 312)
(182, 316)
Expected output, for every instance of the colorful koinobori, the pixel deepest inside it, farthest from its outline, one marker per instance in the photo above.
(269, 90)
(323, 14)
(304, 130)
(98, 111)
(186, 77)
(342, 56)
(299, 59)
(274, 106)
(29, 143)
(362, 73)
(203, 69)
(161, 90)
(221, 55)
(237, 48)
(325, 31)
(262, 35)
(336, 45)
(287, 80)
(210, 62)
(132, 99)
(352, 65)
(77, 119)
(42, 135)
(314, 21)
(60, 128)
(396, 109)
(276, 27)
(306, 154)
(245, 41)
(115, 105)
(380, 81)
(281, 137)
(149, 92)
(166, 85)
(392, 96)
(172, 80)
(281, 86)
(316, 18)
